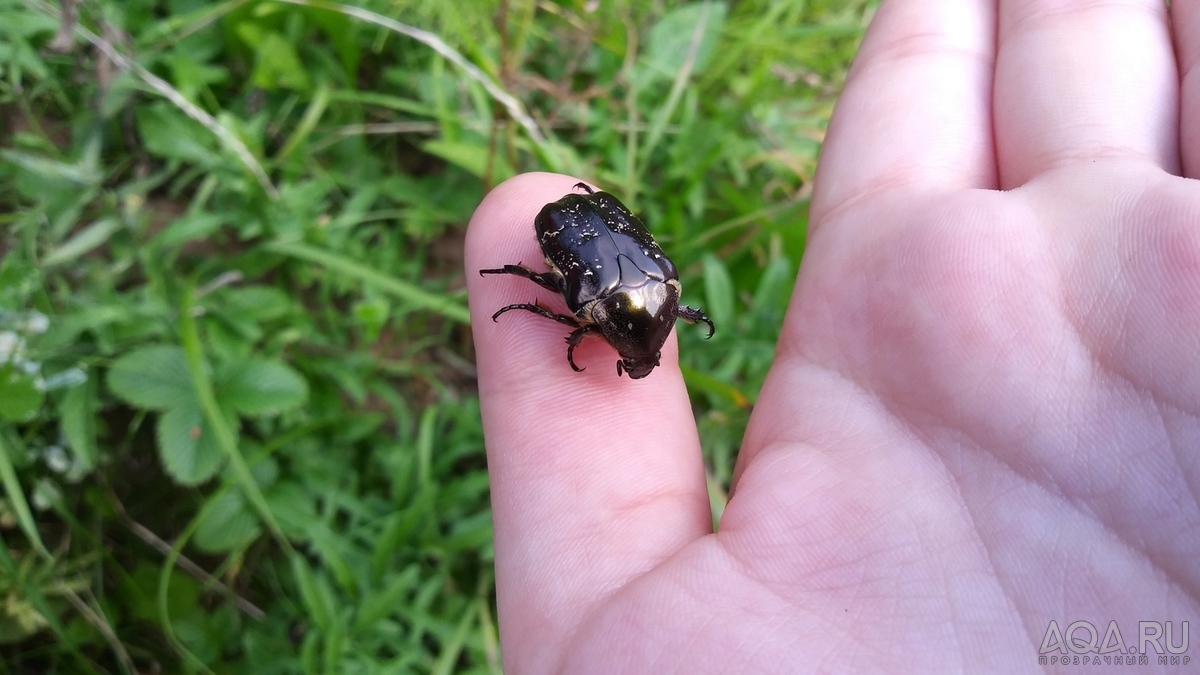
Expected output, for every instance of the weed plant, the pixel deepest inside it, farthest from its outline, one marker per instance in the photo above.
(239, 429)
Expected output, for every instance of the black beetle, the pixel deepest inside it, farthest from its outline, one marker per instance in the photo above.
(613, 276)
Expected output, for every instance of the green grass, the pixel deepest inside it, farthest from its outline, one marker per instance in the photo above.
(239, 430)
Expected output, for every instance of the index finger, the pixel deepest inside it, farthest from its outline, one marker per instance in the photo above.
(595, 478)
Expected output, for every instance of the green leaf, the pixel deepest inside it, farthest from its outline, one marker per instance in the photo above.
(471, 157)
(46, 170)
(260, 387)
(189, 227)
(342, 32)
(220, 421)
(28, 24)
(260, 303)
(718, 291)
(226, 524)
(315, 592)
(118, 95)
(380, 603)
(372, 314)
(168, 133)
(27, 609)
(776, 283)
(16, 496)
(294, 506)
(191, 76)
(154, 378)
(670, 39)
(78, 424)
(20, 397)
(445, 305)
(453, 647)
(277, 65)
(85, 240)
(701, 381)
(187, 445)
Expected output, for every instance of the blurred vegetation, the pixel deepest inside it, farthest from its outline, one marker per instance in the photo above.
(239, 430)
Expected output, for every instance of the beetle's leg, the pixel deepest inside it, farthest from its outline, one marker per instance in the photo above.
(586, 188)
(551, 281)
(573, 341)
(693, 315)
(540, 311)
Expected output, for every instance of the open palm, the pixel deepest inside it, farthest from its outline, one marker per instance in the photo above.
(984, 413)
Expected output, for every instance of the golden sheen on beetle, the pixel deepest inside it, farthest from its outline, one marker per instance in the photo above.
(615, 279)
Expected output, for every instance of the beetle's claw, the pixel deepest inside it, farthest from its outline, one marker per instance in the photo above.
(573, 341)
(571, 357)
(571, 360)
(692, 315)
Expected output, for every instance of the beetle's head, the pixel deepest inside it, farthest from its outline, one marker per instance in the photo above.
(636, 322)
(638, 367)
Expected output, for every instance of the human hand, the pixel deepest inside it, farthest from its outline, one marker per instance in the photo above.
(984, 413)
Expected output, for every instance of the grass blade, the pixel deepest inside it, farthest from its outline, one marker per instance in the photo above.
(30, 593)
(216, 420)
(16, 496)
(447, 307)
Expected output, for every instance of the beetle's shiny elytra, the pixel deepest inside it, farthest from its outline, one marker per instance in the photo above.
(615, 279)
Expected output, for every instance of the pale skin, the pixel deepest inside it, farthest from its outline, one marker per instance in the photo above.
(984, 412)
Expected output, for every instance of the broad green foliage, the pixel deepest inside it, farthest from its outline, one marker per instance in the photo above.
(20, 397)
(239, 430)
(685, 37)
(157, 378)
